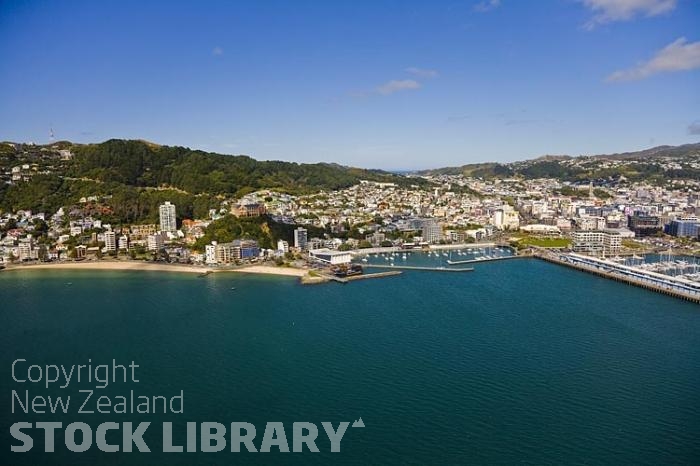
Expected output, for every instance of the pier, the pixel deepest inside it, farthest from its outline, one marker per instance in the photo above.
(323, 277)
(365, 276)
(664, 284)
(412, 267)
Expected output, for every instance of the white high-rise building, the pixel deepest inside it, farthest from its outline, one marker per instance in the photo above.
(432, 232)
(110, 241)
(300, 238)
(210, 253)
(168, 222)
(282, 246)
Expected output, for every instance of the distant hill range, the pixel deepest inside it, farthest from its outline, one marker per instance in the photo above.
(649, 163)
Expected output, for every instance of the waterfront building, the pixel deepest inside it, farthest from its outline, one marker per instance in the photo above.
(80, 251)
(168, 222)
(456, 236)
(124, 242)
(282, 246)
(110, 241)
(596, 242)
(432, 232)
(249, 249)
(376, 238)
(210, 253)
(26, 249)
(155, 242)
(300, 238)
(226, 253)
(329, 256)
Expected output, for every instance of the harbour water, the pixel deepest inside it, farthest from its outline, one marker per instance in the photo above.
(519, 362)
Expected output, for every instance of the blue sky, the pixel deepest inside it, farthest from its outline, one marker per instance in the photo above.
(380, 84)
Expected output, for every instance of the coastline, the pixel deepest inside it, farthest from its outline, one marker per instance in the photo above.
(154, 267)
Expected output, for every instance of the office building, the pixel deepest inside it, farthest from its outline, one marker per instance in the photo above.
(686, 227)
(644, 225)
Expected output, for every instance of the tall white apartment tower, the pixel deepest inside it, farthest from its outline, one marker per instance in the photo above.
(300, 238)
(168, 223)
(110, 241)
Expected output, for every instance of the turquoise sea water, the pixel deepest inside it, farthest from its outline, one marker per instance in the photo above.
(519, 362)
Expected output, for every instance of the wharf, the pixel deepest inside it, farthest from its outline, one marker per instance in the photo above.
(643, 282)
(326, 277)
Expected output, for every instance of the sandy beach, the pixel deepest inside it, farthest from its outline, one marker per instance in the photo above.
(155, 267)
(110, 265)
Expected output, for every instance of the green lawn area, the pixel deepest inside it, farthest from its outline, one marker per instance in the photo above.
(544, 242)
(632, 244)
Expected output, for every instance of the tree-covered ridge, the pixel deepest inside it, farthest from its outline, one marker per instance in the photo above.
(137, 163)
(653, 165)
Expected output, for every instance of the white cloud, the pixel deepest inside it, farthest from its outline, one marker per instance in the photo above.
(487, 5)
(422, 73)
(677, 56)
(608, 11)
(216, 51)
(398, 85)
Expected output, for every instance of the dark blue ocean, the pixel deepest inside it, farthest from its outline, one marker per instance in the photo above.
(518, 362)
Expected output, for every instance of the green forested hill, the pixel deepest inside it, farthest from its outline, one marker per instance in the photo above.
(136, 176)
(138, 163)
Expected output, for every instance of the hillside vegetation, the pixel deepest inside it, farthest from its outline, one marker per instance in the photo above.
(137, 163)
